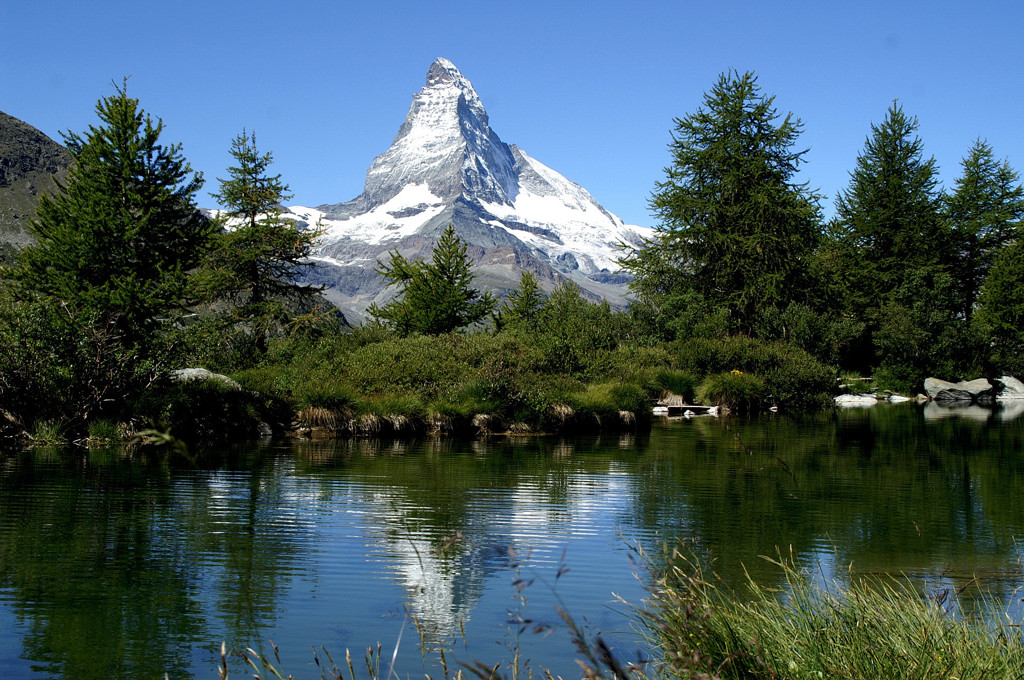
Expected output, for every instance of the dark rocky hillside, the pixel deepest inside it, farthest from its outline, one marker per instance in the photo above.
(28, 162)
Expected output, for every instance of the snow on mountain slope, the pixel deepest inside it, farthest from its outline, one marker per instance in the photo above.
(446, 165)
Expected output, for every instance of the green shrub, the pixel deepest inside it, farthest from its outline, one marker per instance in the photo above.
(426, 364)
(630, 397)
(735, 390)
(202, 410)
(334, 396)
(792, 377)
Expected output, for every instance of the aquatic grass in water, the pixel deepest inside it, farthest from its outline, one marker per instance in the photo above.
(873, 628)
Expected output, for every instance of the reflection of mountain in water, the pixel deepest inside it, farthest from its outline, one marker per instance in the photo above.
(445, 548)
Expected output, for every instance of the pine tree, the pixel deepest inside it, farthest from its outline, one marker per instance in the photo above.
(115, 243)
(736, 228)
(435, 297)
(984, 213)
(259, 254)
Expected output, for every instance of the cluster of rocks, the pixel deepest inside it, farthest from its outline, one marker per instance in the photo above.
(980, 391)
(977, 391)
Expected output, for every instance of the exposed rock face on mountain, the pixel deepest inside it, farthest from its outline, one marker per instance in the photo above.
(28, 162)
(446, 165)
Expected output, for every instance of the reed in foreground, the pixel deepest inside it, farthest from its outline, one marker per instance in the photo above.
(873, 628)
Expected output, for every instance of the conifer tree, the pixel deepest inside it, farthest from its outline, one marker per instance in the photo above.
(524, 304)
(434, 297)
(888, 221)
(259, 254)
(892, 260)
(1001, 309)
(115, 243)
(984, 212)
(736, 228)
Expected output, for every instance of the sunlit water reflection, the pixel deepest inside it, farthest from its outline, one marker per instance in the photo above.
(117, 566)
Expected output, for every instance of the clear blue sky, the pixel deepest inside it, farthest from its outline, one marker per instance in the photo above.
(588, 88)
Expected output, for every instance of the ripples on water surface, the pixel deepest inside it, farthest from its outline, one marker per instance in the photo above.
(119, 567)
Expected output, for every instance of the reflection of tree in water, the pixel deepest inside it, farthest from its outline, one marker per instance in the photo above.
(107, 558)
(247, 530)
(881, 488)
(87, 560)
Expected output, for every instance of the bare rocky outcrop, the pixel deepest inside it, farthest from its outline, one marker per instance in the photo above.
(29, 162)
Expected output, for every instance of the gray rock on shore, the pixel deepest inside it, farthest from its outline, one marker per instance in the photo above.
(1012, 389)
(978, 390)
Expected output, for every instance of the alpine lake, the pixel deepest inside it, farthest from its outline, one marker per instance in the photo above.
(123, 563)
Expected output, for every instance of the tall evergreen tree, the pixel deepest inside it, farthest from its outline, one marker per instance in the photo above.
(984, 211)
(736, 228)
(118, 238)
(1001, 309)
(523, 306)
(259, 254)
(887, 221)
(435, 297)
(892, 260)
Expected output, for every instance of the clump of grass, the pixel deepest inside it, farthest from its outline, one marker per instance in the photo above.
(677, 382)
(874, 628)
(734, 390)
(103, 431)
(48, 432)
(608, 399)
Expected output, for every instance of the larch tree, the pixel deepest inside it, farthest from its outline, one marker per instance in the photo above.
(893, 260)
(259, 254)
(523, 305)
(736, 227)
(118, 238)
(984, 212)
(888, 220)
(95, 296)
(434, 297)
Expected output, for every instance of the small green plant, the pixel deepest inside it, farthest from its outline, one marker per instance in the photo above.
(677, 382)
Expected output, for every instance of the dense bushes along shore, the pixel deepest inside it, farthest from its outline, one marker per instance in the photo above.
(573, 371)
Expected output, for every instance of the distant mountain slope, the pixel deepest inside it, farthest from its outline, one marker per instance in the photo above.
(28, 161)
(446, 165)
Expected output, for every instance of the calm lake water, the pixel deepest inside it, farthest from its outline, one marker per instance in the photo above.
(113, 566)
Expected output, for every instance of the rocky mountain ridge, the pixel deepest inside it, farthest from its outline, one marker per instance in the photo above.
(29, 160)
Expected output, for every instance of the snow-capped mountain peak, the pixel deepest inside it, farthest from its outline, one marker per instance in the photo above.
(446, 165)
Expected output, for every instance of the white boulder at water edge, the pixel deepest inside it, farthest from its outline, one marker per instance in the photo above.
(447, 166)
